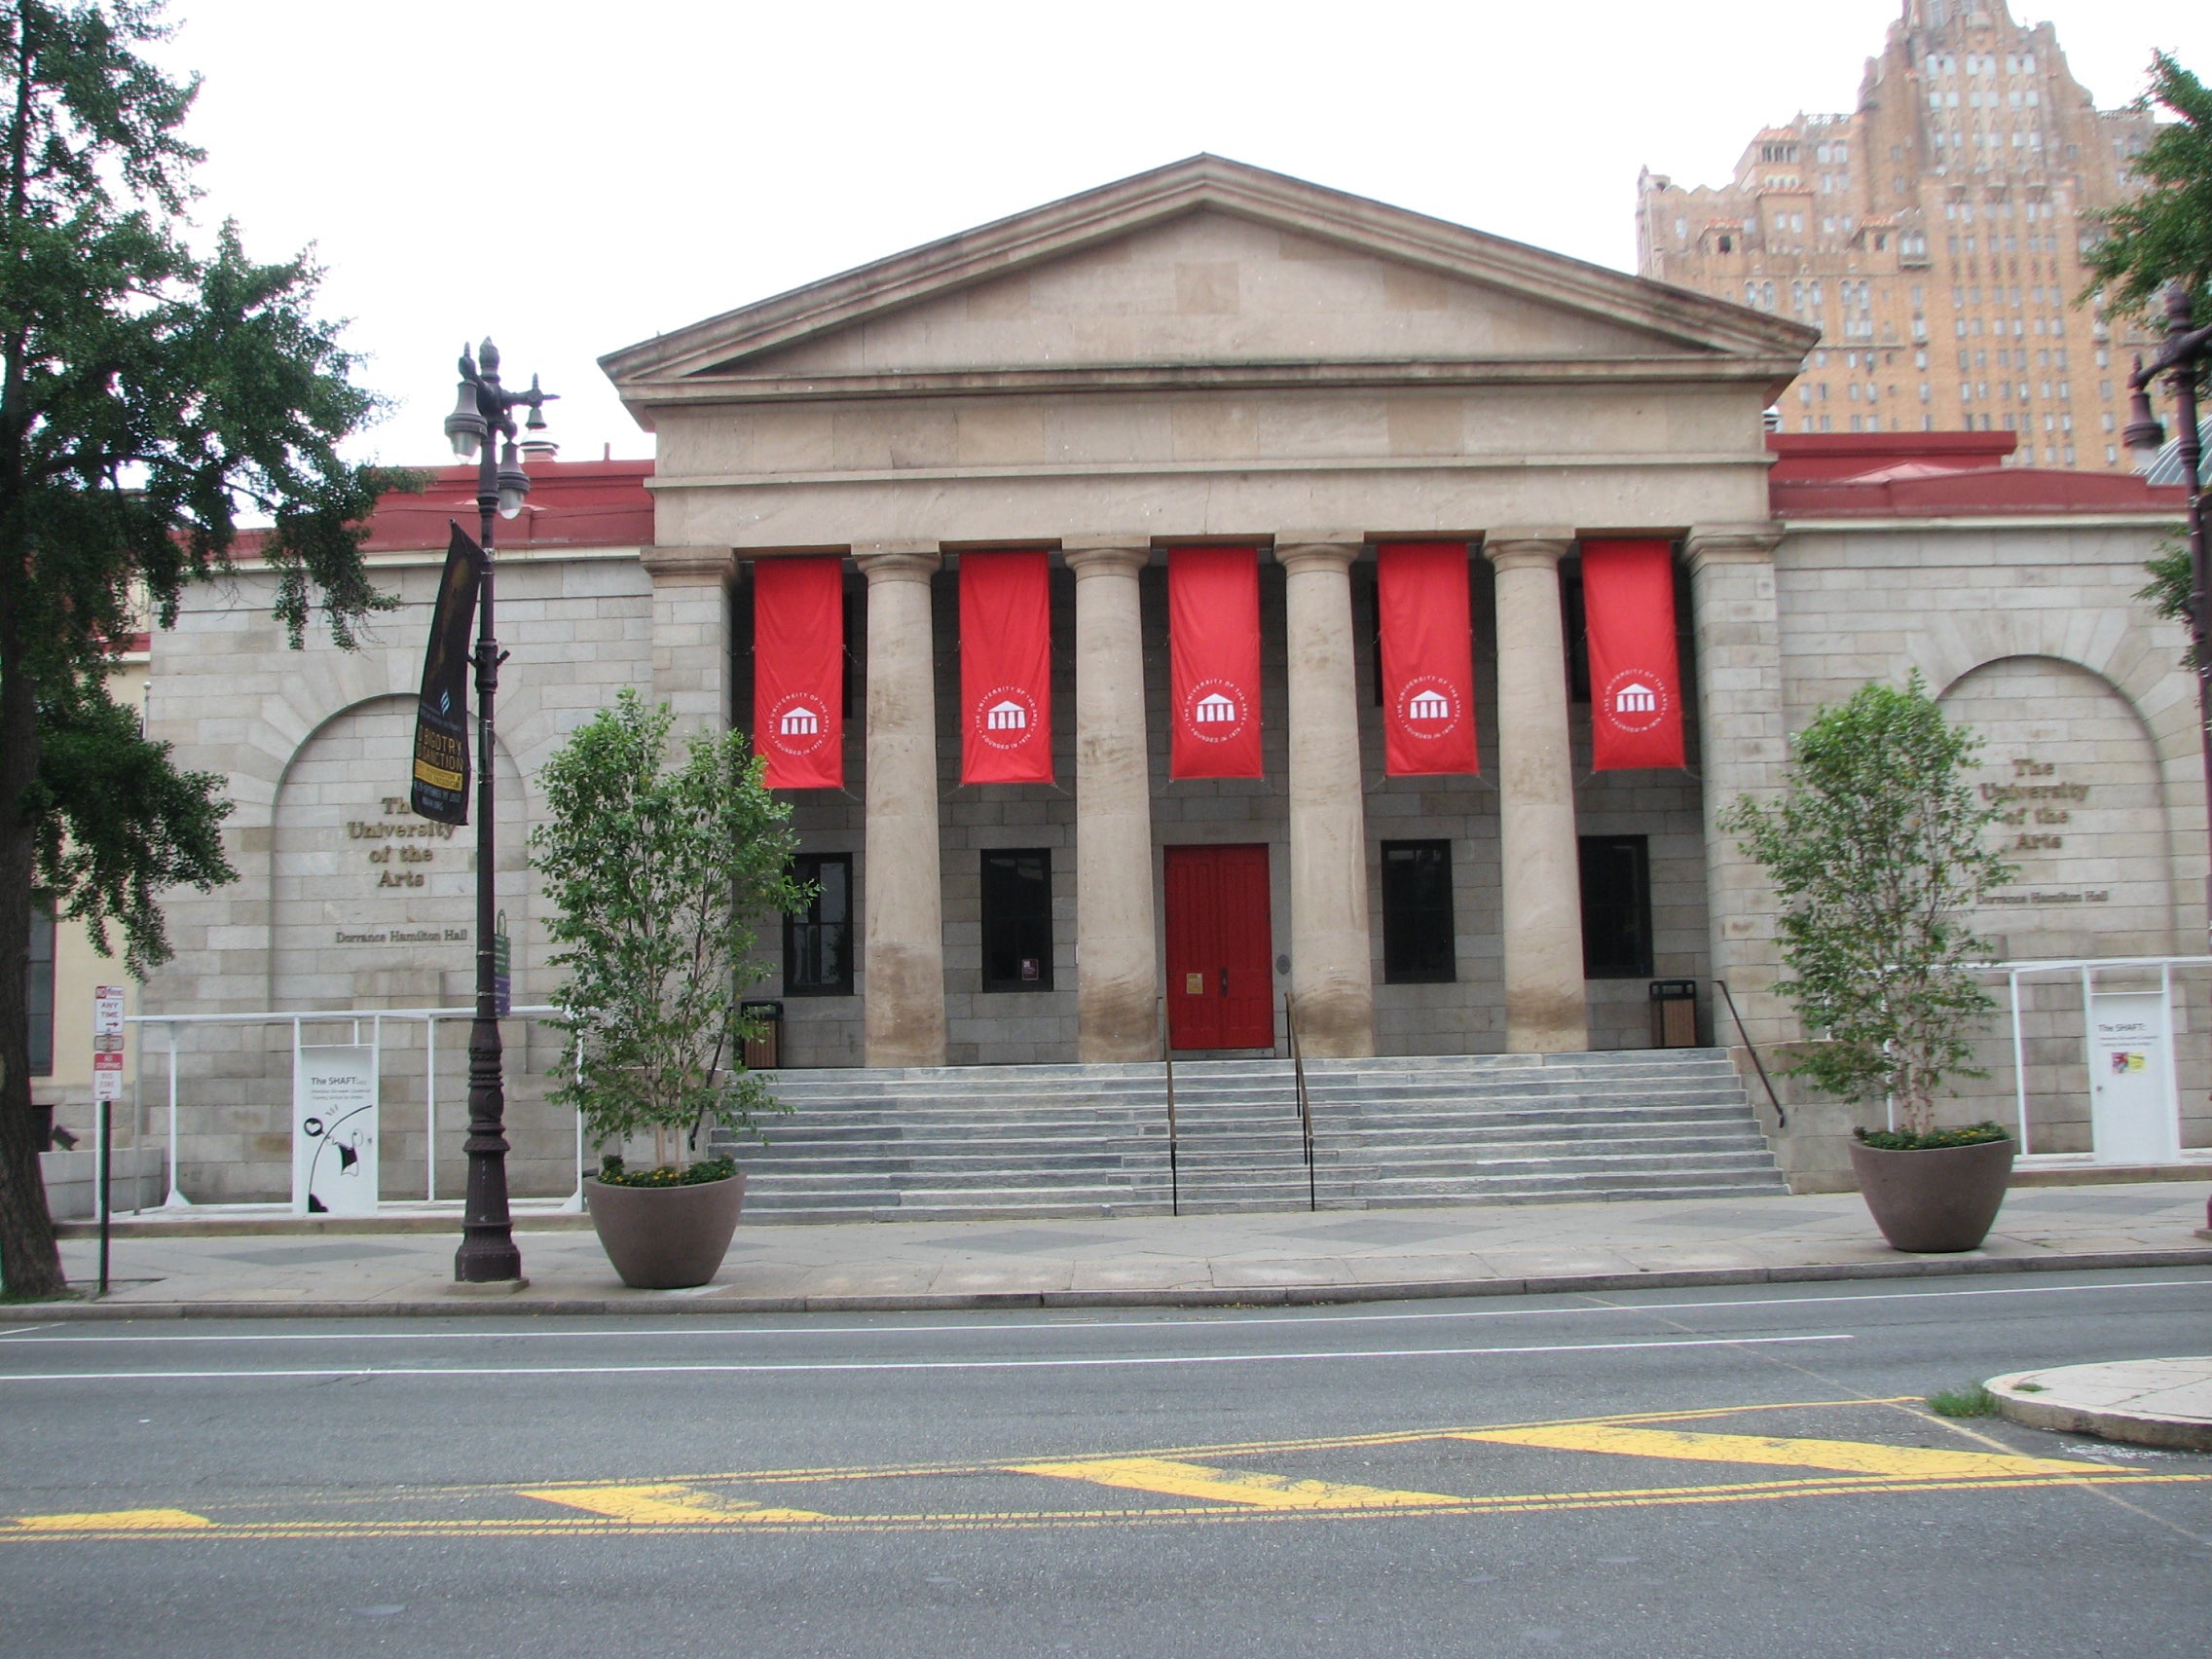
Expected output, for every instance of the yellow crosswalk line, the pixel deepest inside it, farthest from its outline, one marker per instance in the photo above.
(114, 1521)
(1846, 1457)
(1232, 1485)
(663, 1504)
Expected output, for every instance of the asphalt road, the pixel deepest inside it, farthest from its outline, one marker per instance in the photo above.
(1717, 1473)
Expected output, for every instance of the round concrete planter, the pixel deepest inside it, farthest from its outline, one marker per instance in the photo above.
(666, 1237)
(1936, 1200)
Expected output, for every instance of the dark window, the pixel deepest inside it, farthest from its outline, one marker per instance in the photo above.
(817, 940)
(40, 990)
(1575, 621)
(1616, 908)
(1416, 913)
(1368, 589)
(1017, 920)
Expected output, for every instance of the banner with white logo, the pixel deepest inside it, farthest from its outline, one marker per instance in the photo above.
(1635, 688)
(1006, 669)
(798, 671)
(1213, 649)
(1428, 658)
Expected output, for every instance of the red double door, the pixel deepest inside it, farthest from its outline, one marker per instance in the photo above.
(1220, 977)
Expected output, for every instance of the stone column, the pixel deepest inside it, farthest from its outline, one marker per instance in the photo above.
(1117, 953)
(691, 642)
(1546, 1005)
(902, 924)
(1745, 750)
(1331, 956)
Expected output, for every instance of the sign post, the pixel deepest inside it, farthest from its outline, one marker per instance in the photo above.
(107, 1089)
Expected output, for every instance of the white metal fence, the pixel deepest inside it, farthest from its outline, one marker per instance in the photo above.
(2085, 1046)
(237, 1087)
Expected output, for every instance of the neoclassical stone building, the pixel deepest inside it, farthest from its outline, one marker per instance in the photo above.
(1214, 356)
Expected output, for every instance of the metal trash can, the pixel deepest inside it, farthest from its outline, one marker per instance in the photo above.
(765, 1051)
(1674, 1013)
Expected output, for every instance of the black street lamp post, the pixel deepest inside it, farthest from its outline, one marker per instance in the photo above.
(2182, 359)
(482, 427)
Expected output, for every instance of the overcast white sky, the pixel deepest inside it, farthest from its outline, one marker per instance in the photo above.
(633, 167)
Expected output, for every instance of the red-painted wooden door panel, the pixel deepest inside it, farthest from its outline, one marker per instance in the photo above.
(1220, 978)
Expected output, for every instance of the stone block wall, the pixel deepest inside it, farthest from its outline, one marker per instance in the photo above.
(330, 911)
(2029, 631)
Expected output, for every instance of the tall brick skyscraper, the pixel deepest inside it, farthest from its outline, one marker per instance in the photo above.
(1936, 235)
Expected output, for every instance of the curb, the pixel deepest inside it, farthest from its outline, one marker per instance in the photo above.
(2137, 1428)
(665, 1303)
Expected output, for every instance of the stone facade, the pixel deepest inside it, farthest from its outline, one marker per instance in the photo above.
(1208, 354)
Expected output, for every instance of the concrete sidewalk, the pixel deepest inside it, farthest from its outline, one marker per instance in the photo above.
(1332, 1256)
(2151, 1402)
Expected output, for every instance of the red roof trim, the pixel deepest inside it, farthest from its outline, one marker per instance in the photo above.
(1941, 475)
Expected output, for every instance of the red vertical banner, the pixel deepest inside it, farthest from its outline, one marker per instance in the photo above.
(1428, 658)
(798, 671)
(1636, 685)
(1006, 669)
(1213, 648)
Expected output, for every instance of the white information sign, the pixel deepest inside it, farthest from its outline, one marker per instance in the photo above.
(334, 1129)
(107, 1043)
(2133, 1109)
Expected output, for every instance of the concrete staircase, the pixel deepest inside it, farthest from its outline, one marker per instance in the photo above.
(973, 1142)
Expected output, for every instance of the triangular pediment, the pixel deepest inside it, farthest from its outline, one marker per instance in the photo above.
(1205, 266)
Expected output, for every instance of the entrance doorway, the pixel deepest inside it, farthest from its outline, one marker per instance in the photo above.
(1220, 977)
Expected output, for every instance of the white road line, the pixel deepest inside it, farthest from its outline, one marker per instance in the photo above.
(50, 1334)
(903, 1364)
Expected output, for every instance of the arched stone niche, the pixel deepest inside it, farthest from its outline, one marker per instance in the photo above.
(2071, 765)
(370, 906)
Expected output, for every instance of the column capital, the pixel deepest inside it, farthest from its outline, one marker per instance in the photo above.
(1318, 549)
(897, 561)
(1105, 555)
(1752, 543)
(690, 566)
(1522, 546)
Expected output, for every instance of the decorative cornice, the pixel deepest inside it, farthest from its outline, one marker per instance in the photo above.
(1769, 372)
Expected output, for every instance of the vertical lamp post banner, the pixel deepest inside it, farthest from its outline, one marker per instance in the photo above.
(1429, 659)
(1213, 649)
(1636, 684)
(798, 663)
(441, 716)
(1006, 669)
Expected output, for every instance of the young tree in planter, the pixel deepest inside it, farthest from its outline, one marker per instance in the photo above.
(657, 875)
(149, 394)
(1877, 846)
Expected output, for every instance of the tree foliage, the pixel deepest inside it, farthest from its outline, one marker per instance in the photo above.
(657, 874)
(152, 396)
(2165, 231)
(1876, 846)
(2169, 590)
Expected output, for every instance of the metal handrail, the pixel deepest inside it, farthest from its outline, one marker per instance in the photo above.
(1167, 1059)
(1305, 1103)
(1780, 1118)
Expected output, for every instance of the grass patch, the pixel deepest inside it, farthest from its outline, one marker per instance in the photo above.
(1970, 1400)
